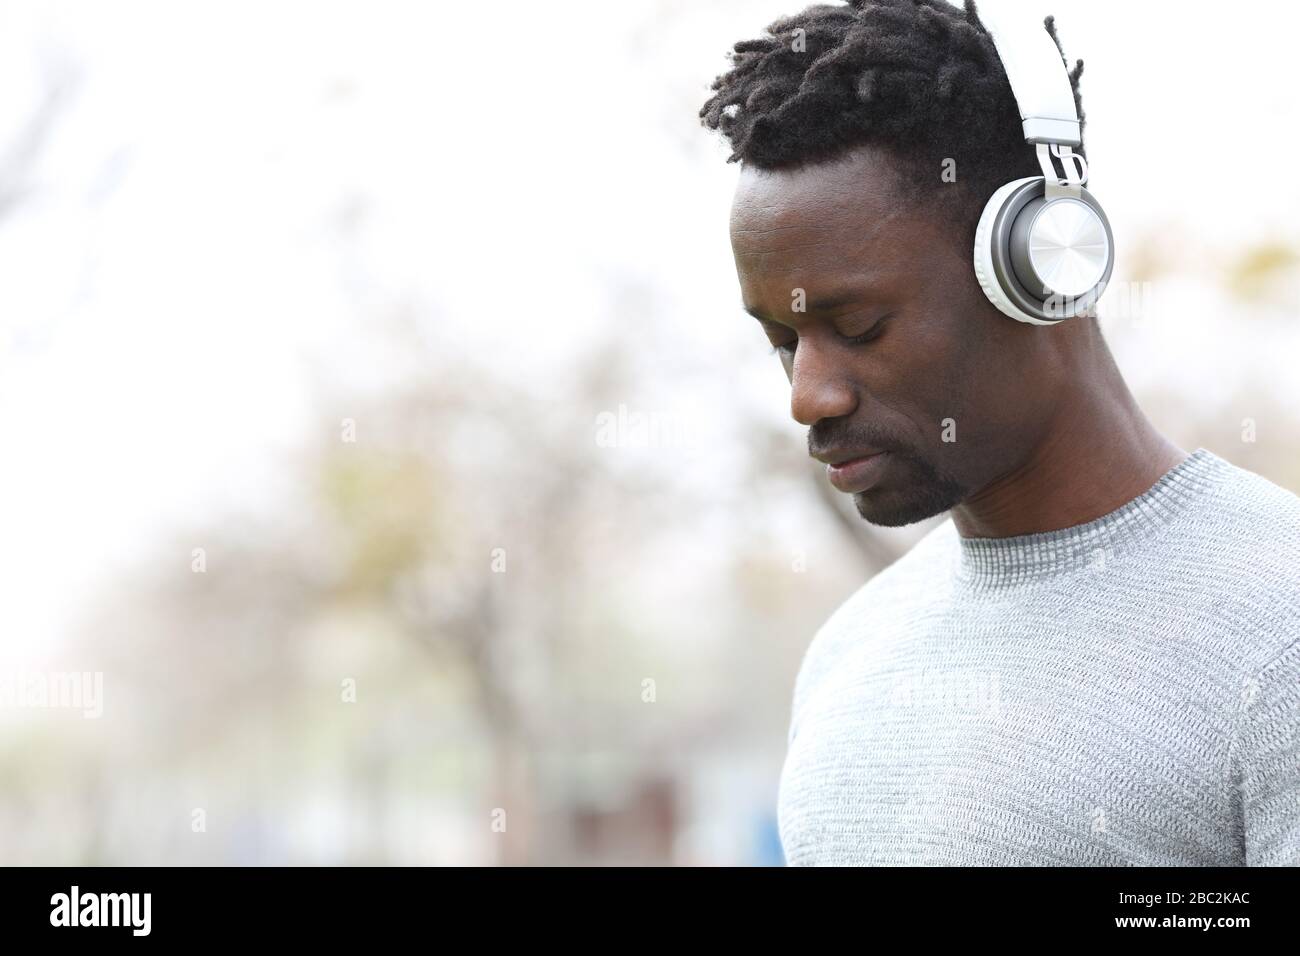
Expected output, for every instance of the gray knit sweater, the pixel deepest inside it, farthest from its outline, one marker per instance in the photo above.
(1122, 692)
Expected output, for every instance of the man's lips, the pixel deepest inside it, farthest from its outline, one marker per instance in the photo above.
(855, 473)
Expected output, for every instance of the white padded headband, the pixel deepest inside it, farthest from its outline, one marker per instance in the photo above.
(1037, 74)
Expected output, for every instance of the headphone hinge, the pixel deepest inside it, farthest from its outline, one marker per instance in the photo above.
(1073, 174)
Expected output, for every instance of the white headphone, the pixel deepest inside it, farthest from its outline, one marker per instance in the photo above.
(1043, 248)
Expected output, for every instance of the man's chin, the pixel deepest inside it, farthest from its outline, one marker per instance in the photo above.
(877, 508)
(915, 501)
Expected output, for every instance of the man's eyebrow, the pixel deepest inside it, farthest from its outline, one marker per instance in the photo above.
(827, 303)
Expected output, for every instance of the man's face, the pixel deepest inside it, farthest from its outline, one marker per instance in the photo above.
(897, 351)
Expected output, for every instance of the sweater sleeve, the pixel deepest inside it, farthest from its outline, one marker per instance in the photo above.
(1266, 762)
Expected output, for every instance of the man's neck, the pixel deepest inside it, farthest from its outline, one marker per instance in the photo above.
(1100, 453)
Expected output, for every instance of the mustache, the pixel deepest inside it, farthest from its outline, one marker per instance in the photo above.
(831, 434)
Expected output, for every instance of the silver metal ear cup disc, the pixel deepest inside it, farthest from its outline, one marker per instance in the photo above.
(1043, 260)
(1060, 246)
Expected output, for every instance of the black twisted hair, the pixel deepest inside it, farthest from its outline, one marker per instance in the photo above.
(921, 78)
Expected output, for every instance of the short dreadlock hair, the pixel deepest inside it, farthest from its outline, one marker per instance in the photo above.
(921, 78)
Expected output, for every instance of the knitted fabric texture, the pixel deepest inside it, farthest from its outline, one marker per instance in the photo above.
(1124, 692)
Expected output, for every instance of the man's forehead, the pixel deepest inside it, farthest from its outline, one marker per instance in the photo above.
(826, 209)
(865, 176)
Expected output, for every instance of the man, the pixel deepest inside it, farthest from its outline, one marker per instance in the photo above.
(1094, 660)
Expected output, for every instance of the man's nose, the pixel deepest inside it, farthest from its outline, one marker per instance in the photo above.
(818, 386)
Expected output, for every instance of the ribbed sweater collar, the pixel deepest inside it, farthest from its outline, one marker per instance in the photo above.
(998, 563)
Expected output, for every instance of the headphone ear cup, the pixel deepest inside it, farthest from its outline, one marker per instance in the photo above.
(984, 238)
(1042, 261)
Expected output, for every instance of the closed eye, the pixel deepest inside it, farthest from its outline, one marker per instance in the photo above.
(877, 329)
(870, 335)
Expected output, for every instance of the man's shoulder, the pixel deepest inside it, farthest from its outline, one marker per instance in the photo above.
(932, 557)
(1237, 561)
(1248, 499)
(1250, 526)
(886, 595)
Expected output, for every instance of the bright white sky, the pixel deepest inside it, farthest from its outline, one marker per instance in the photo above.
(179, 270)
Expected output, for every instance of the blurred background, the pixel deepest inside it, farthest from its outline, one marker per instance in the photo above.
(381, 423)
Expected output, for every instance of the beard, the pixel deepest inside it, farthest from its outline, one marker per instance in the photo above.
(913, 491)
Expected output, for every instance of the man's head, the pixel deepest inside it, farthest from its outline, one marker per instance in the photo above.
(870, 136)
